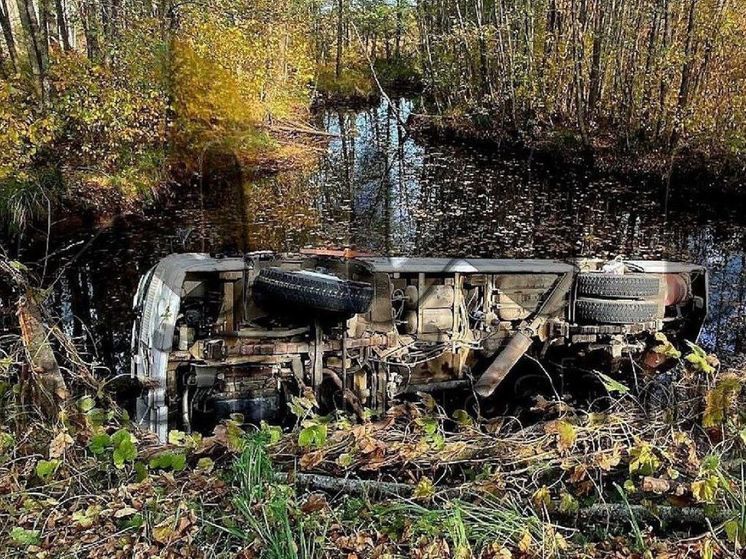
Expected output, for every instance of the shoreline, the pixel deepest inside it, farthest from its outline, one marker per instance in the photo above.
(561, 147)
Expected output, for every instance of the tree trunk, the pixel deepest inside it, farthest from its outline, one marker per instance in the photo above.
(8, 34)
(44, 21)
(686, 72)
(47, 386)
(662, 86)
(62, 25)
(594, 86)
(89, 22)
(399, 28)
(36, 46)
(577, 55)
(340, 31)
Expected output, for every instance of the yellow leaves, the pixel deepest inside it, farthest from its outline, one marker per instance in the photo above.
(705, 489)
(735, 531)
(499, 551)
(720, 401)
(644, 460)
(175, 526)
(565, 431)
(525, 543)
(424, 489)
(608, 460)
(568, 503)
(541, 498)
(700, 360)
(87, 517)
(232, 72)
(665, 347)
(567, 435)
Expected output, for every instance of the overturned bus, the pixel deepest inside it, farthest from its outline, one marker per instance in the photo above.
(215, 336)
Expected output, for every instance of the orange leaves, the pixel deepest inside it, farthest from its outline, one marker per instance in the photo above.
(608, 460)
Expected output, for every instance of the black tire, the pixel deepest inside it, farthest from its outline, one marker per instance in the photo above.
(290, 291)
(607, 311)
(623, 286)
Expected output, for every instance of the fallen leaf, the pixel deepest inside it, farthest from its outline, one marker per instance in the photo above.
(59, 444)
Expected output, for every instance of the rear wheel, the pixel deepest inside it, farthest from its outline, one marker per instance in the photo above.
(290, 291)
(607, 311)
(618, 286)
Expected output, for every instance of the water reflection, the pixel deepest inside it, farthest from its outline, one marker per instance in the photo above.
(378, 189)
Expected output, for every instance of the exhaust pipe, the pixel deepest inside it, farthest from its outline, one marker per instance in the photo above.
(521, 341)
(502, 365)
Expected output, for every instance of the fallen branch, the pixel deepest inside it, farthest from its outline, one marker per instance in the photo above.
(618, 513)
(347, 485)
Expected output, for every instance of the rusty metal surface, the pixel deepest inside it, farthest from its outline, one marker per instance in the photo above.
(284, 348)
(467, 265)
(502, 365)
(677, 289)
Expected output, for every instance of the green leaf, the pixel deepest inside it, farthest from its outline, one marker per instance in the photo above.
(437, 441)
(136, 521)
(629, 486)
(120, 436)
(273, 431)
(735, 531)
(141, 472)
(86, 518)
(24, 537)
(205, 464)
(176, 438)
(99, 443)
(463, 418)
(720, 400)
(314, 435)
(345, 460)
(45, 469)
(235, 435)
(428, 424)
(644, 460)
(124, 448)
(97, 417)
(568, 503)
(86, 404)
(168, 460)
(665, 347)
(705, 490)
(710, 463)
(6, 441)
(698, 359)
(178, 461)
(160, 461)
(611, 385)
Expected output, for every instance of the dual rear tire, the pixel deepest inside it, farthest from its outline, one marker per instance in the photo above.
(616, 298)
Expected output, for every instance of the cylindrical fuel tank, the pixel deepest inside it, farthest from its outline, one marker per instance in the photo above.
(433, 321)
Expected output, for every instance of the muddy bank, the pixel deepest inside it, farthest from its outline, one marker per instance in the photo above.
(717, 174)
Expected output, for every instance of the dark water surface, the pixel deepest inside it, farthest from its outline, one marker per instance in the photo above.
(378, 189)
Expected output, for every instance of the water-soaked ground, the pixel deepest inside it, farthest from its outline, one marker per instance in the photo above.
(378, 189)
